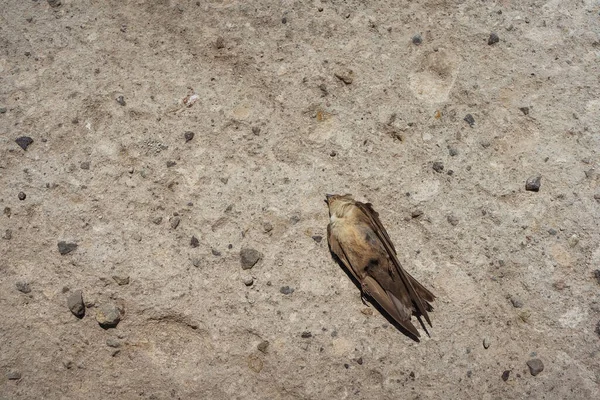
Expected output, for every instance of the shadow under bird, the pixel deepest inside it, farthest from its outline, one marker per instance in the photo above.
(359, 240)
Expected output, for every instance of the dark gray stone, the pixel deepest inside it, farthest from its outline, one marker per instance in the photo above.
(535, 366)
(286, 290)
(22, 196)
(189, 135)
(317, 238)
(108, 316)
(516, 302)
(75, 303)
(194, 242)
(417, 39)
(24, 142)
(469, 120)
(262, 346)
(121, 100)
(438, 166)
(65, 247)
(23, 287)
(13, 375)
(121, 280)
(493, 39)
(249, 258)
(533, 183)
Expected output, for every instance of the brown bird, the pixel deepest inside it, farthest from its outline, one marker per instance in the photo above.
(357, 237)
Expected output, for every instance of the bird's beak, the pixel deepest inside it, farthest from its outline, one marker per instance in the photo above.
(328, 196)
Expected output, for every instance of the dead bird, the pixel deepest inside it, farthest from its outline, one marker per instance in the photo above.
(357, 237)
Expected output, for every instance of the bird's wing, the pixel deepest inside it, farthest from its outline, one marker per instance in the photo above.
(337, 249)
(371, 287)
(403, 293)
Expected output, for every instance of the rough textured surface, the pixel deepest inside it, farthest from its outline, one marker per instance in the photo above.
(275, 130)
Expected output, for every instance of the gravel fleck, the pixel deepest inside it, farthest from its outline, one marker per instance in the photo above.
(54, 3)
(262, 346)
(486, 343)
(114, 343)
(573, 240)
(452, 219)
(505, 375)
(108, 316)
(452, 151)
(249, 257)
(256, 130)
(417, 39)
(220, 43)
(317, 238)
(493, 38)
(535, 366)
(196, 262)
(248, 281)
(469, 120)
(194, 242)
(13, 375)
(524, 110)
(416, 213)
(438, 166)
(597, 330)
(188, 135)
(121, 100)
(157, 220)
(175, 222)
(286, 290)
(306, 335)
(3, 110)
(85, 165)
(552, 232)
(267, 227)
(255, 363)
(66, 247)
(597, 275)
(533, 183)
(23, 287)
(22, 196)
(215, 252)
(24, 142)
(516, 302)
(359, 361)
(7, 234)
(121, 280)
(171, 164)
(75, 303)
(345, 76)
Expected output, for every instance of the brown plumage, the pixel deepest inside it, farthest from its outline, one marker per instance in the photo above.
(357, 237)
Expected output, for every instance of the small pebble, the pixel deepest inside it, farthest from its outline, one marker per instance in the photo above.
(24, 142)
(597, 330)
(359, 361)
(493, 38)
(535, 366)
(486, 343)
(121, 100)
(7, 234)
(66, 248)
(108, 316)
(573, 240)
(188, 135)
(317, 238)
(345, 76)
(256, 130)
(85, 165)
(114, 343)
(54, 3)
(249, 257)
(416, 213)
(597, 275)
(13, 375)
(267, 227)
(524, 110)
(175, 222)
(438, 166)
(7, 211)
(75, 304)
(516, 302)
(452, 219)
(469, 120)
(505, 375)
(284, 20)
(171, 164)
(262, 346)
(220, 43)
(533, 183)
(3, 110)
(597, 197)
(248, 281)
(286, 290)
(22, 196)
(452, 151)
(194, 242)
(121, 280)
(23, 287)
(196, 262)
(552, 232)
(215, 252)
(306, 335)
(157, 220)
(417, 39)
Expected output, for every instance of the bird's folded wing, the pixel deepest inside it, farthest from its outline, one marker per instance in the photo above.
(407, 280)
(335, 247)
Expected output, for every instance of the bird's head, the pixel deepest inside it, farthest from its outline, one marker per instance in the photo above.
(338, 204)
